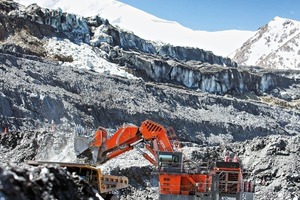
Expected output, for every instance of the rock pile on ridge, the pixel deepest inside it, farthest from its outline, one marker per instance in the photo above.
(42, 183)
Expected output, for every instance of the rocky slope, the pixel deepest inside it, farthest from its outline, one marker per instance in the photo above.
(36, 93)
(275, 45)
(209, 100)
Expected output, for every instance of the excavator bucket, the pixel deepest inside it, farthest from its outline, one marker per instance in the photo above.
(83, 149)
(81, 140)
(87, 146)
(81, 144)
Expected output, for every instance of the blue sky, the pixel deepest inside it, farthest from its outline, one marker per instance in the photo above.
(215, 15)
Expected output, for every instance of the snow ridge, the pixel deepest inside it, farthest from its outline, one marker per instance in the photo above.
(127, 17)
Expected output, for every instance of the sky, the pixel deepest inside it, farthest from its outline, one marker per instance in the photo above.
(217, 15)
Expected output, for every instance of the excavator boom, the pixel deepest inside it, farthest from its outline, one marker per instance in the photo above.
(158, 134)
(153, 135)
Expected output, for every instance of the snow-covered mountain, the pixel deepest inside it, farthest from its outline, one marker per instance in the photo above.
(275, 45)
(150, 27)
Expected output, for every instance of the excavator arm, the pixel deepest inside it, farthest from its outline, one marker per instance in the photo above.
(126, 138)
(121, 141)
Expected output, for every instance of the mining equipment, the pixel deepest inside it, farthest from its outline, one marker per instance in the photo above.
(105, 184)
(177, 180)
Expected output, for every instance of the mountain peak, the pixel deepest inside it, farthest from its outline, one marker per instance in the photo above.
(277, 18)
(282, 19)
(275, 45)
(283, 22)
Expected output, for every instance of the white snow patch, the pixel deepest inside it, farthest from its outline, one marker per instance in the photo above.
(45, 171)
(84, 57)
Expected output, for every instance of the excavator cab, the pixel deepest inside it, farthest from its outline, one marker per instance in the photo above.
(170, 162)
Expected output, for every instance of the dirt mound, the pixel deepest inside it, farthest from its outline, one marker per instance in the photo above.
(43, 182)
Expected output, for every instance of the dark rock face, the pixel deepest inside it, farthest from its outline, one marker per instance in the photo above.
(279, 173)
(205, 77)
(187, 54)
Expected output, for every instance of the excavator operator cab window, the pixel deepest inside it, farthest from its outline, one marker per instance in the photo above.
(170, 161)
(175, 159)
(164, 160)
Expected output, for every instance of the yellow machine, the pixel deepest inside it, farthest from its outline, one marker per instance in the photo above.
(103, 183)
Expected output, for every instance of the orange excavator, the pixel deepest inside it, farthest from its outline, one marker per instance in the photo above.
(101, 149)
(178, 178)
